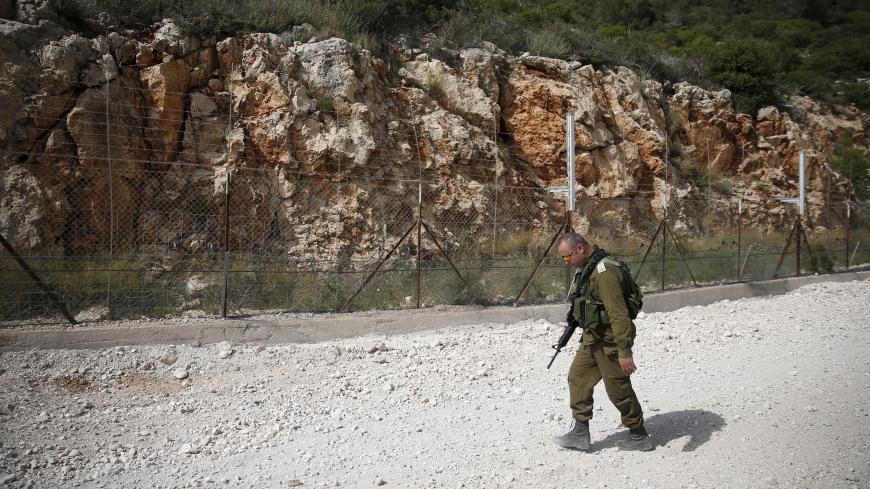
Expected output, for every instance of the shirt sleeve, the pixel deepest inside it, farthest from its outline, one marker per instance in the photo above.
(609, 290)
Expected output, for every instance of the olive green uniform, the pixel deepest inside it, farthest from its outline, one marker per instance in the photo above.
(600, 307)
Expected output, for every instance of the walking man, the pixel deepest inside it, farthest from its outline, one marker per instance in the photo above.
(604, 300)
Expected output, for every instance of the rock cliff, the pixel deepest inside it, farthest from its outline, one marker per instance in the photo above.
(129, 139)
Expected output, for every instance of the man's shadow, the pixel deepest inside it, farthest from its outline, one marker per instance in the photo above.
(664, 428)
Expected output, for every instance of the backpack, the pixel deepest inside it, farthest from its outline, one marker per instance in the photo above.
(630, 290)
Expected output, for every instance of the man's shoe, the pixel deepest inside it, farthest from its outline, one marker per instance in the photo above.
(576, 439)
(637, 440)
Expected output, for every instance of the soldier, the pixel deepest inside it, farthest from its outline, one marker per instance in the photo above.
(604, 300)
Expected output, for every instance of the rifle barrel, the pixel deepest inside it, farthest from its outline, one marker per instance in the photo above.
(554, 358)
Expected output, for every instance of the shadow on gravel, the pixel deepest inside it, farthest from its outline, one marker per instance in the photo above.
(664, 428)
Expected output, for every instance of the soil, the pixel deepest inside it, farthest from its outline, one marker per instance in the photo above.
(755, 393)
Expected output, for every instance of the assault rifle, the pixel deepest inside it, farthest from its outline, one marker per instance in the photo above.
(566, 334)
(572, 323)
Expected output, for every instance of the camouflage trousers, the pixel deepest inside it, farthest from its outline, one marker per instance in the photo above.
(591, 364)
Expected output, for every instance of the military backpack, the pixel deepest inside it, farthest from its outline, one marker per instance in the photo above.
(630, 290)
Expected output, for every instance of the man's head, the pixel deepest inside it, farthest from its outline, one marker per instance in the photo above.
(574, 249)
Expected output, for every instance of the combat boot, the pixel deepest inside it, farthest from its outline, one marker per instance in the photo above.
(637, 440)
(576, 439)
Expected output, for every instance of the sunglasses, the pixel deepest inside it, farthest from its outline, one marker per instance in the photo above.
(567, 257)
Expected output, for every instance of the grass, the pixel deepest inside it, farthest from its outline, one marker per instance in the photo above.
(130, 286)
(326, 104)
(549, 44)
(435, 85)
(154, 287)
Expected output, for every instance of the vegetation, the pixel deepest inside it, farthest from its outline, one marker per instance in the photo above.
(135, 288)
(326, 104)
(436, 85)
(853, 162)
(758, 50)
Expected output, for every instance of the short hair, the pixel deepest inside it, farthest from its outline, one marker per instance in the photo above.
(573, 239)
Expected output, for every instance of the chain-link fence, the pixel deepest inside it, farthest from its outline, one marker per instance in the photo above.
(107, 217)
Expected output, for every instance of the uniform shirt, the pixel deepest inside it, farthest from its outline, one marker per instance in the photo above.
(606, 285)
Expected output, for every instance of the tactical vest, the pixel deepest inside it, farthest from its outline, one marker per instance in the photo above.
(590, 311)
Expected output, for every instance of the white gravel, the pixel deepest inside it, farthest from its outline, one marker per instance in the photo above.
(756, 393)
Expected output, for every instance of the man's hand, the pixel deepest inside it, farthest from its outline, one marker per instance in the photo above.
(627, 365)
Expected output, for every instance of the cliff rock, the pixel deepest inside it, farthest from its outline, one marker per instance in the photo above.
(134, 139)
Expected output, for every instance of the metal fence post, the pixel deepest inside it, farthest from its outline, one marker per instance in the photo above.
(848, 225)
(495, 212)
(419, 238)
(55, 300)
(665, 205)
(798, 249)
(852, 258)
(226, 268)
(743, 267)
(419, 215)
(111, 204)
(495, 191)
(225, 283)
(739, 233)
(828, 199)
(664, 247)
(224, 290)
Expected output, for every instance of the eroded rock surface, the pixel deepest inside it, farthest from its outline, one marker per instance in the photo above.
(321, 140)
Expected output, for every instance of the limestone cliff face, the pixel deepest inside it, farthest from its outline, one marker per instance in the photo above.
(323, 143)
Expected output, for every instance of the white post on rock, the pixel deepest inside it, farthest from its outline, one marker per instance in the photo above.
(800, 200)
(569, 141)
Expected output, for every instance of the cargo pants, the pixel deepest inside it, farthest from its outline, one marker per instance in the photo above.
(591, 364)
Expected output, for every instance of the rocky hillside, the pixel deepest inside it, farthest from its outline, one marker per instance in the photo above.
(302, 108)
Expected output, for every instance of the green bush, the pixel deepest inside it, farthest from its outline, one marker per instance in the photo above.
(853, 162)
(757, 50)
(746, 67)
(326, 104)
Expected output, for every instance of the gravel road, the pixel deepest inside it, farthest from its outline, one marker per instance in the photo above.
(755, 393)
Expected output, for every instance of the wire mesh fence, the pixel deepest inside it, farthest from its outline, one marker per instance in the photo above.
(183, 240)
(124, 210)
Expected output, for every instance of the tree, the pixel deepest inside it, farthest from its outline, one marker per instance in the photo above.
(746, 67)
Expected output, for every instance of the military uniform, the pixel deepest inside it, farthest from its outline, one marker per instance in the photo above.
(601, 309)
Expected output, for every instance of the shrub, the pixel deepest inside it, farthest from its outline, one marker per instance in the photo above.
(854, 163)
(673, 119)
(326, 104)
(722, 186)
(549, 44)
(435, 86)
(745, 67)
